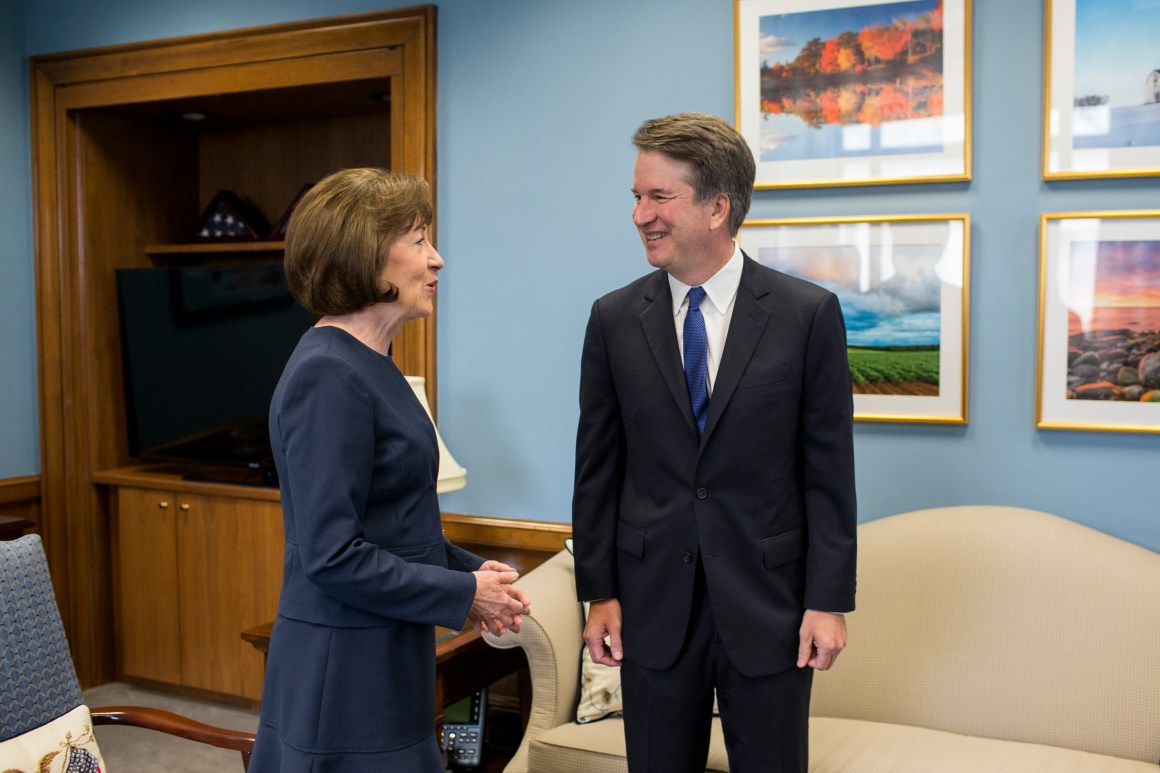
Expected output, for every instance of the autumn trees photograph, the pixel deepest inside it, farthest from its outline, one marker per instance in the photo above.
(859, 65)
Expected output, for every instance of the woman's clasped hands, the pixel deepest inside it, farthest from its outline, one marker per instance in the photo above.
(499, 606)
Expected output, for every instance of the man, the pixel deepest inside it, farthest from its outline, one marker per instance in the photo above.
(714, 512)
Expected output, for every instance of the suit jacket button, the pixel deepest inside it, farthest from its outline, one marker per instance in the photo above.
(687, 558)
(702, 493)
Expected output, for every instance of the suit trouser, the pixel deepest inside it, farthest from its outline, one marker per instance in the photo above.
(667, 714)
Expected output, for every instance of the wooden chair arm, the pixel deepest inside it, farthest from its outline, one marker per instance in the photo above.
(175, 724)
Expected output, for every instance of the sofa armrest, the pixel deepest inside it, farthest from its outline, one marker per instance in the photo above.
(551, 637)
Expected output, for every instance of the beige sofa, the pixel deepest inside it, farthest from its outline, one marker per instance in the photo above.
(986, 639)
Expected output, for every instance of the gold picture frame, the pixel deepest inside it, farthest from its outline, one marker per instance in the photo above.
(1101, 91)
(1098, 364)
(904, 285)
(850, 92)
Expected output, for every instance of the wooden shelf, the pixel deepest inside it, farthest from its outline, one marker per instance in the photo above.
(216, 481)
(208, 248)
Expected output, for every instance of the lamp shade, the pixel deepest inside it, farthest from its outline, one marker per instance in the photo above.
(452, 477)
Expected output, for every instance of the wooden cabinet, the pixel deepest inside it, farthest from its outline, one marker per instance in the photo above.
(193, 571)
(149, 632)
(130, 144)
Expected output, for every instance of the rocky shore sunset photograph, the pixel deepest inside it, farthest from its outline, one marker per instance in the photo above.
(1113, 325)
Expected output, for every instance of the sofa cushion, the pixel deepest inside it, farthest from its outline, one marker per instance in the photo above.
(843, 745)
(838, 746)
(65, 743)
(599, 748)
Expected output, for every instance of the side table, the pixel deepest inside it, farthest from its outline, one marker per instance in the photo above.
(463, 664)
(12, 527)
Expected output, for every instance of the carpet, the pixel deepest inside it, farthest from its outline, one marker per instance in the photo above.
(134, 750)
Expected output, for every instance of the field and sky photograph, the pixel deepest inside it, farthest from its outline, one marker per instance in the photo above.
(890, 296)
(853, 81)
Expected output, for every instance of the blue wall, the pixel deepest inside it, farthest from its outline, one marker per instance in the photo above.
(19, 450)
(536, 102)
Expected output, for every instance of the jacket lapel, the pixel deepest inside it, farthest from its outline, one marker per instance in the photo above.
(750, 315)
(657, 321)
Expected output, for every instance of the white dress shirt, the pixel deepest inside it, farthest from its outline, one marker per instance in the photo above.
(717, 309)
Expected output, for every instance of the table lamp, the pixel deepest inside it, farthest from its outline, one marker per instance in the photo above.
(452, 477)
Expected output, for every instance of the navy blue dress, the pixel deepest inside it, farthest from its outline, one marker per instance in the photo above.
(350, 679)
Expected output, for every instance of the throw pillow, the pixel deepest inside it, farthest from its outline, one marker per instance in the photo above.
(599, 688)
(64, 744)
(599, 684)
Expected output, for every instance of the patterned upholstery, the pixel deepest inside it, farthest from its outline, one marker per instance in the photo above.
(37, 678)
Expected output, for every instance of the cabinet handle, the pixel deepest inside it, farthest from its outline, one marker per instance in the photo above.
(184, 507)
(164, 505)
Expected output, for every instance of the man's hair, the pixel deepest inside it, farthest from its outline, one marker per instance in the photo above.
(720, 159)
(340, 233)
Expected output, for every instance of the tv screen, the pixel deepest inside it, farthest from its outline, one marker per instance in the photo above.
(203, 349)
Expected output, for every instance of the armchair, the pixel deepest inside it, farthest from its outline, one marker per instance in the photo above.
(44, 724)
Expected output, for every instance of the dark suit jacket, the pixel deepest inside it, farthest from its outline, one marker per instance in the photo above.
(766, 496)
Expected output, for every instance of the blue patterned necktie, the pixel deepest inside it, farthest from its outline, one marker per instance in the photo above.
(696, 346)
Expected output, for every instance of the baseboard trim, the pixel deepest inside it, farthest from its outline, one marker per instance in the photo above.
(507, 532)
(194, 693)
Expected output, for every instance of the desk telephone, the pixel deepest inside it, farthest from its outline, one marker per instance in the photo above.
(463, 730)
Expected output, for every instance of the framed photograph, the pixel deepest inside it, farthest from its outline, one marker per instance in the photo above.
(1101, 115)
(1099, 321)
(854, 92)
(903, 284)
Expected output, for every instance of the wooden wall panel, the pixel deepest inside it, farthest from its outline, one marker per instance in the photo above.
(269, 165)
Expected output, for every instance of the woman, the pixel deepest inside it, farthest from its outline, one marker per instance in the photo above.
(350, 681)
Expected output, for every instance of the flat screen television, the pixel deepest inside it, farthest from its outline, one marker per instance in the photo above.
(203, 348)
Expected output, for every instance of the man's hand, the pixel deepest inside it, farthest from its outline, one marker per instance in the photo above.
(498, 606)
(604, 620)
(822, 636)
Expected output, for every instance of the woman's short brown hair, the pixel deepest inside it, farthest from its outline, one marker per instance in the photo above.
(340, 233)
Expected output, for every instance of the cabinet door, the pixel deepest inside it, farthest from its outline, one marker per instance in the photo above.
(147, 553)
(230, 574)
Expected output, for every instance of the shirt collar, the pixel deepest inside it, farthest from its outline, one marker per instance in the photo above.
(721, 288)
